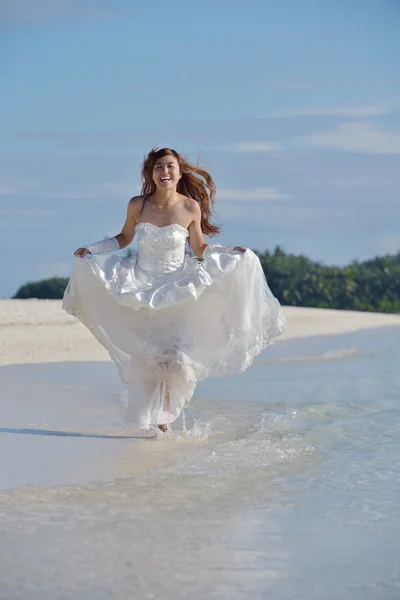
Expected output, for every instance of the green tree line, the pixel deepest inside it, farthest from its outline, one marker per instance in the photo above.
(372, 285)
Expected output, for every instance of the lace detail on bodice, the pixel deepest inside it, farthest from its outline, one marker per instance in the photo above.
(161, 236)
(161, 249)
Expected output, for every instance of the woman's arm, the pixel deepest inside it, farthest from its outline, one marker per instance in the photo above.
(196, 235)
(132, 218)
(122, 239)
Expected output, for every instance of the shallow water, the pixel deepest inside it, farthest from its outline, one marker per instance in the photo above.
(284, 484)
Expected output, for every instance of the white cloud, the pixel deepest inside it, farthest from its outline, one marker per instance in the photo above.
(357, 137)
(249, 147)
(250, 194)
(326, 111)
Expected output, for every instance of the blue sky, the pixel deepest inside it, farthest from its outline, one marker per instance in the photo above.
(294, 107)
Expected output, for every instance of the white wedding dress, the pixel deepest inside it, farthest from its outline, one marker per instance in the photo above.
(169, 320)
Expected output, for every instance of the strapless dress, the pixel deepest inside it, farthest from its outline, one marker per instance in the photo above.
(169, 320)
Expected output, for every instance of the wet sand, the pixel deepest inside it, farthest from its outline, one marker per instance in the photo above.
(263, 494)
(286, 477)
(62, 403)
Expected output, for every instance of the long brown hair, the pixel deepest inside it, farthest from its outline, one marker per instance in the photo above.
(195, 183)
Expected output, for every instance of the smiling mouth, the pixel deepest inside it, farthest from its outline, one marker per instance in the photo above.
(165, 179)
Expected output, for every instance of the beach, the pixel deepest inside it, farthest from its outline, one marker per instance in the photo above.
(280, 482)
(35, 331)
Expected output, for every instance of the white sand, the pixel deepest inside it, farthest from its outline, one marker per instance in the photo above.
(34, 331)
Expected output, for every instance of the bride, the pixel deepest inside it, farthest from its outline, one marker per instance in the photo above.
(167, 318)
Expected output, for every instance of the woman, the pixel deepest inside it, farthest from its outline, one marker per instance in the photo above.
(167, 318)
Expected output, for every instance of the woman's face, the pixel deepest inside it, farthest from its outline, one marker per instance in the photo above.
(166, 172)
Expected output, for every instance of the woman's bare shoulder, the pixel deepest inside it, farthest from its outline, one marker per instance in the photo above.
(191, 206)
(137, 201)
(135, 205)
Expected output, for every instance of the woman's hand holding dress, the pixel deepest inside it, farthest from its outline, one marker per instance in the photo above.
(82, 252)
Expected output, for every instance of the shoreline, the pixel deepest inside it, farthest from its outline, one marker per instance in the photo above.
(39, 331)
(63, 409)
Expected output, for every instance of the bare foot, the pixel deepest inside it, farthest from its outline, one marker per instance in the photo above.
(163, 428)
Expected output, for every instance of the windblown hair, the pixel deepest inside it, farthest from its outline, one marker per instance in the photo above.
(195, 183)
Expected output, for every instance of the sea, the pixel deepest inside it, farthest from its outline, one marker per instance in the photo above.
(279, 483)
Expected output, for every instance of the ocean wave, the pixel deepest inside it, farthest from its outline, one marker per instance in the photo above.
(333, 355)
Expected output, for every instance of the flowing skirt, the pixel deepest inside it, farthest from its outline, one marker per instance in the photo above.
(165, 333)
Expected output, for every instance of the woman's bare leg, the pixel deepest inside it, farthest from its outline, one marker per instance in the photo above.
(164, 427)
